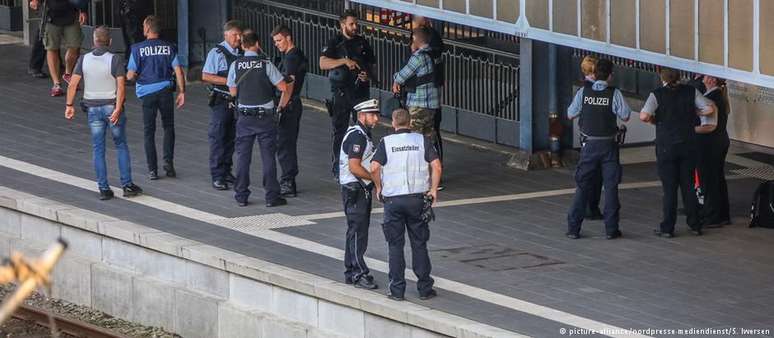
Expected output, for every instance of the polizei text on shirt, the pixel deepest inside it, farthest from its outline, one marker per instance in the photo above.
(249, 64)
(155, 50)
(596, 101)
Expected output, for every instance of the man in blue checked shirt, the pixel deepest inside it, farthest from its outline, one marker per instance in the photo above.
(154, 64)
(418, 79)
(598, 107)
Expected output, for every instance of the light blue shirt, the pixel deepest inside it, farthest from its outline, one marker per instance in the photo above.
(271, 71)
(216, 62)
(150, 88)
(620, 108)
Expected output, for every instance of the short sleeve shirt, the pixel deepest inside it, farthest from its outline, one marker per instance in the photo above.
(355, 145)
(216, 61)
(294, 64)
(381, 153)
(116, 69)
(332, 50)
(271, 71)
(651, 105)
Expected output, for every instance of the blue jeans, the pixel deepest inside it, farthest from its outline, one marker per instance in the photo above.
(99, 122)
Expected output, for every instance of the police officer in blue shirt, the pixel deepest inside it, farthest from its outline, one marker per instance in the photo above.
(598, 106)
(154, 64)
(222, 126)
(252, 79)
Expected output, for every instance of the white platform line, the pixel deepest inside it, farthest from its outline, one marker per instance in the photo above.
(338, 254)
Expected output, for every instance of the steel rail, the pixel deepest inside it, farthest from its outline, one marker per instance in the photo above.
(66, 325)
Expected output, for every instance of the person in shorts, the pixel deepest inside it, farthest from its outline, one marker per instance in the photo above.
(62, 30)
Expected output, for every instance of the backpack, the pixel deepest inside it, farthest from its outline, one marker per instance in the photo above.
(762, 211)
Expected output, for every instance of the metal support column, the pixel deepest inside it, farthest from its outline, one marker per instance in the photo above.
(525, 95)
(182, 32)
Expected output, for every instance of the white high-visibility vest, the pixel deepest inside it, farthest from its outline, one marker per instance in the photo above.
(98, 80)
(406, 171)
(345, 175)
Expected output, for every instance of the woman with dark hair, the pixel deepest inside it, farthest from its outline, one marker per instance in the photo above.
(713, 148)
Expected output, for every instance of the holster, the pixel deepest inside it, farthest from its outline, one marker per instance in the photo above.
(216, 97)
(620, 136)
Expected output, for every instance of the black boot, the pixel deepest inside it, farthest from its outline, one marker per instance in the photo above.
(288, 188)
(169, 168)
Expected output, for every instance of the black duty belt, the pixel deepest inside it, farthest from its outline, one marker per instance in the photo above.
(255, 112)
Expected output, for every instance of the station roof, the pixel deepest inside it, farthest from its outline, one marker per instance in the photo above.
(709, 36)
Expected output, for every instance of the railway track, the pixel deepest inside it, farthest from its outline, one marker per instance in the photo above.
(65, 325)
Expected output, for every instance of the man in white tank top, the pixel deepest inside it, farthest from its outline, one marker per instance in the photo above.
(104, 93)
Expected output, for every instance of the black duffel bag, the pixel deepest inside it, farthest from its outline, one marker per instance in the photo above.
(762, 210)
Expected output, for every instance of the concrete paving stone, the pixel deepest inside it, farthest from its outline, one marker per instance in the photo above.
(153, 303)
(84, 219)
(41, 207)
(165, 242)
(249, 294)
(10, 222)
(125, 231)
(143, 261)
(111, 290)
(416, 332)
(83, 243)
(237, 323)
(272, 327)
(295, 306)
(341, 319)
(379, 327)
(72, 280)
(211, 281)
(195, 315)
(40, 230)
(209, 255)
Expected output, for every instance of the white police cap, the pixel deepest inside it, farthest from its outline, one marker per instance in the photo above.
(369, 106)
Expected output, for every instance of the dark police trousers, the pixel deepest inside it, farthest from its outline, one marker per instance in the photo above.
(676, 164)
(250, 129)
(344, 101)
(221, 135)
(596, 155)
(357, 208)
(403, 213)
(159, 102)
(712, 160)
(287, 139)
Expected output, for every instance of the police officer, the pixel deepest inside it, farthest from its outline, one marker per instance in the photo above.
(154, 64)
(597, 106)
(354, 164)
(221, 131)
(252, 79)
(673, 109)
(293, 65)
(401, 173)
(715, 144)
(588, 64)
(350, 61)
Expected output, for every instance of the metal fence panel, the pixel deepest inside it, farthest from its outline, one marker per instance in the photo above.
(477, 79)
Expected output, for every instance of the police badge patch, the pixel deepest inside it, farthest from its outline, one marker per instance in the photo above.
(356, 148)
